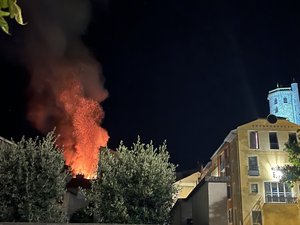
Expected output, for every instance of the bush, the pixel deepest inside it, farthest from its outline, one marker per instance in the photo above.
(32, 181)
(133, 185)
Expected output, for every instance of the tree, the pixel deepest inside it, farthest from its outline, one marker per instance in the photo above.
(133, 185)
(32, 181)
(291, 173)
(9, 8)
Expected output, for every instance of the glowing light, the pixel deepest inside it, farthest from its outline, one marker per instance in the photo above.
(277, 173)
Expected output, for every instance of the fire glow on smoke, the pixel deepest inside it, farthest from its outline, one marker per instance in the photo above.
(62, 102)
(66, 85)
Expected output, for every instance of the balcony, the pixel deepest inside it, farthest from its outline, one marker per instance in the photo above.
(281, 198)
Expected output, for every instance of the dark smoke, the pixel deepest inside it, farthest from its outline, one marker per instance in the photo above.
(53, 52)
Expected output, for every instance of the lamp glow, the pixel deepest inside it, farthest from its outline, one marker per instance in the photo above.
(277, 173)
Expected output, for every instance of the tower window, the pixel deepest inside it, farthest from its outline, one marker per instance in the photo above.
(275, 101)
(254, 140)
(276, 109)
(285, 100)
(273, 140)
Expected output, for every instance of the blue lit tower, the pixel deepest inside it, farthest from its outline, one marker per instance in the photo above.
(284, 102)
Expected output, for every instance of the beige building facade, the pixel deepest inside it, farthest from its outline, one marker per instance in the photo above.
(250, 157)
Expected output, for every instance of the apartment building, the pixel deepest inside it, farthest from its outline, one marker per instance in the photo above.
(250, 157)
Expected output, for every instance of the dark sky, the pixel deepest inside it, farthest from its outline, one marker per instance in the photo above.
(184, 71)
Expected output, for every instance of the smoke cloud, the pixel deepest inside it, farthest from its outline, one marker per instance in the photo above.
(66, 83)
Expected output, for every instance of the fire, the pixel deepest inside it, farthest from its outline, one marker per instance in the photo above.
(84, 115)
(62, 101)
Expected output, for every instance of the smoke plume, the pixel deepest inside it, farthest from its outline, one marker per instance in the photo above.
(66, 86)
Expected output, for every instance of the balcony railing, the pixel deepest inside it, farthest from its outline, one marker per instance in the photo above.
(281, 198)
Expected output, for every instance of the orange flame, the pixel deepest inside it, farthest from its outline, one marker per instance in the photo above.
(61, 101)
(85, 115)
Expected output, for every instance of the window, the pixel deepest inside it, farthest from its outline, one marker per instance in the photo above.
(276, 109)
(229, 215)
(275, 101)
(276, 192)
(222, 163)
(284, 100)
(253, 166)
(228, 192)
(293, 138)
(254, 141)
(273, 140)
(254, 188)
(256, 218)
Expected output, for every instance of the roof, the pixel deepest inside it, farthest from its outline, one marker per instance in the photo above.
(229, 138)
(6, 141)
(187, 184)
(280, 89)
(182, 174)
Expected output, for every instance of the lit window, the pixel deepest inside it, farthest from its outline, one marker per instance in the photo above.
(253, 166)
(222, 163)
(285, 100)
(275, 101)
(278, 192)
(229, 215)
(273, 140)
(256, 218)
(293, 138)
(254, 140)
(254, 188)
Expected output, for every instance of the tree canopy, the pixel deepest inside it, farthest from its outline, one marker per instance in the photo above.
(291, 173)
(9, 8)
(134, 185)
(32, 181)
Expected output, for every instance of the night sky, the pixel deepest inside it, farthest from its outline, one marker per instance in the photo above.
(184, 71)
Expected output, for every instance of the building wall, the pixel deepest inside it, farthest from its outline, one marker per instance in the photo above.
(267, 159)
(217, 194)
(280, 108)
(235, 201)
(181, 212)
(200, 206)
(273, 214)
(296, 102)
(209, 204)
(289, 109)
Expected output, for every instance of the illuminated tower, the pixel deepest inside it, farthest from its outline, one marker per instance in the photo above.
(284, 102)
